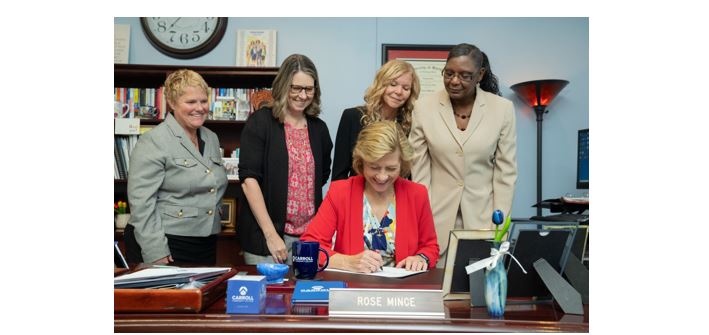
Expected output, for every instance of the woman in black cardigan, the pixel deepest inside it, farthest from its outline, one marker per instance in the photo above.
(390, 97)
(283, 164)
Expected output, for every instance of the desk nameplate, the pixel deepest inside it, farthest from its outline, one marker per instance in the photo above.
(386, 303)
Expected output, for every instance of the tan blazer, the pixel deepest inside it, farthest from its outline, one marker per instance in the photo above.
(473, 170)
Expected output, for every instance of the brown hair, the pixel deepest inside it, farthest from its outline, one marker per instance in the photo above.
(281, 85)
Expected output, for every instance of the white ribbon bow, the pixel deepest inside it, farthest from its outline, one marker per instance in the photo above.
(491, 261)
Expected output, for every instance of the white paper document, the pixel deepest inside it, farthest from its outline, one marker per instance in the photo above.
(387, 271)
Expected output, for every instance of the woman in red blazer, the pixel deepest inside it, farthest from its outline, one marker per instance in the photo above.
(377, 218)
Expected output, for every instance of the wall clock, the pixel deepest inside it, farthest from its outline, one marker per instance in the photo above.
(184, 37)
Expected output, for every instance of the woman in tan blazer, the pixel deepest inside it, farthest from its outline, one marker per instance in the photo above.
(464, 140)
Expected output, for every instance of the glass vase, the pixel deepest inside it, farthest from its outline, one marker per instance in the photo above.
(496, 288)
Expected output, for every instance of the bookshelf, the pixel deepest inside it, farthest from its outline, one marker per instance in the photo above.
(228, 131)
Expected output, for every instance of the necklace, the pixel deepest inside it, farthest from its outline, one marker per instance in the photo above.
(463, 117)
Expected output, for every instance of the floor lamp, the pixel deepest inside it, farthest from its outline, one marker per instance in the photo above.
(538, 94)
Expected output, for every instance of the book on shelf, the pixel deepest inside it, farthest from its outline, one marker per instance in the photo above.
(118, 171)
(123, 146)
(230, 103)
(314, 291)
(231, 165)
(119, 156)
(137, 103)
(149, 103)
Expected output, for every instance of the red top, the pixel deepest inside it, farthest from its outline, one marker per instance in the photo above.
(301, 181)
(341, 213)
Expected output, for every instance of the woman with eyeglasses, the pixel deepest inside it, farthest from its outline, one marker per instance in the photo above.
(390, 97)
(283, 164)
(464, 140)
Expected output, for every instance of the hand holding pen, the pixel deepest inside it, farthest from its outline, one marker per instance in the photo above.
(366, 261)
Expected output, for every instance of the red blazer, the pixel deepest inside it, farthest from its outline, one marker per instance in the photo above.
(341, 213)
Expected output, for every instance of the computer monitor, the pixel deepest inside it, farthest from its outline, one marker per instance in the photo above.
(582, 160)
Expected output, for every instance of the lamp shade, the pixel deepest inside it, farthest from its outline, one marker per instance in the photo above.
(539, 92)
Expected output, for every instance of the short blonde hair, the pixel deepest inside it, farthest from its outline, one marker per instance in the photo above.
(178, 81)
(378, 139)
(393, 69)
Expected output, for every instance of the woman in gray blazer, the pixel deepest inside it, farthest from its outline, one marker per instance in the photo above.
(176, 181)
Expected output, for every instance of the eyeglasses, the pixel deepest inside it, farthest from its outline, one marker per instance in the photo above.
(296, 89)
(464, 76)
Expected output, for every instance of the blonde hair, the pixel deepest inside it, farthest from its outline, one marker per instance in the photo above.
(281, 86)
(372, 109)
(378, 139)
(178, 81)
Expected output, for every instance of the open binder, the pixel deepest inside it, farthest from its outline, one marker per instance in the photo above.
(166, 277)
(174, 300)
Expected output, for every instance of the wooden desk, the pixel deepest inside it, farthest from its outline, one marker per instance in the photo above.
(280, 316)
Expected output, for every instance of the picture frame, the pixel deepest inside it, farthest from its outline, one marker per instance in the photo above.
(228, 215)
(428, 62)
(529, 241)
(256, 48)
(463, 246)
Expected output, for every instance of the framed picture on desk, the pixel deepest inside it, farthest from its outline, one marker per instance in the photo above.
(428, 62)
(228, 213)
(464, 247)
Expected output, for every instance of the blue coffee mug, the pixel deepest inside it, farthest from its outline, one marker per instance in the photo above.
(305, 259)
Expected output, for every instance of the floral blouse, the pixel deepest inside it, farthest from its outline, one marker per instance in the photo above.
(379, 235)
(301, 181)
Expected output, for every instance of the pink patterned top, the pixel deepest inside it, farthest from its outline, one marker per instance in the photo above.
(301, 181)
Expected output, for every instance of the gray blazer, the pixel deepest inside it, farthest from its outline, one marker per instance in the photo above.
(172, 188)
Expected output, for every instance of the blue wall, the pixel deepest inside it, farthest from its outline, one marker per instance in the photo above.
(347, 52)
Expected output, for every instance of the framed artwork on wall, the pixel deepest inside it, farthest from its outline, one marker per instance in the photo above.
(428, 62)
(256, 48)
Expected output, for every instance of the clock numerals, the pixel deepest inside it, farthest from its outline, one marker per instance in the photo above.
(162, 26)
(184, 37)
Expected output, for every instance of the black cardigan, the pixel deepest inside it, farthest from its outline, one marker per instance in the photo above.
(264, 157)
(347, 132)
(345, 140)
